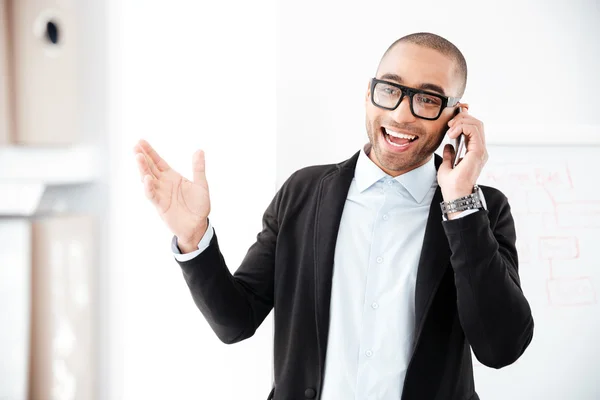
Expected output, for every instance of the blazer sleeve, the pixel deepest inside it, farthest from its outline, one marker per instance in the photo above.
(235, 304)
(492, 308)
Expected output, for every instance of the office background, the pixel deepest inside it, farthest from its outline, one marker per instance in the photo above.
(264, 88)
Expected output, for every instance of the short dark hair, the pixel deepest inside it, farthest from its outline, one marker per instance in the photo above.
(438, 43)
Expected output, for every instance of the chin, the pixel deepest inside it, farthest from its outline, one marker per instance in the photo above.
(400, 162)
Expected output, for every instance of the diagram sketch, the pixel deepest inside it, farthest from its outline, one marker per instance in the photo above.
(551, 215)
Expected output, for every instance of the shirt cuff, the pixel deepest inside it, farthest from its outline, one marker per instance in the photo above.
(203, 245)
(463, 214)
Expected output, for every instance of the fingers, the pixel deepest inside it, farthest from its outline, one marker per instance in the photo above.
(448, 154)
(470, 130)
(462, 116)
(151, 188)
(471, 127)
(473, 137)
(448, 157)
(466, 118)
(155, 192)
(199, 168)
(144, 161)
(155, 159)
(143, 166)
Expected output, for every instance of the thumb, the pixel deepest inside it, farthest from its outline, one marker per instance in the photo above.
(199, 168)
(448, 156)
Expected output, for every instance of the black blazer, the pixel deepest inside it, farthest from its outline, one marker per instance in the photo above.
(468, 292)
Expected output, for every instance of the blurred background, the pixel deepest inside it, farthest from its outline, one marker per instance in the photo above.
(92, 304)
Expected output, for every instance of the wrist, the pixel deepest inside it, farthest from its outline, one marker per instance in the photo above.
(454, 193)
(453, 215)
(189, 243)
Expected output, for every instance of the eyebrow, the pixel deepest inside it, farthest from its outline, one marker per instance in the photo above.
(423, 86)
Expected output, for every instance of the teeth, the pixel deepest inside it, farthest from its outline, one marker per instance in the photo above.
(399, 135)
(387, 139)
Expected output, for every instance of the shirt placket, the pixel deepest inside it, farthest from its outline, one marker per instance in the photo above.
(372, 314)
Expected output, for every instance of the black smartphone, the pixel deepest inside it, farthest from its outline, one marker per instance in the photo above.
(460, 146)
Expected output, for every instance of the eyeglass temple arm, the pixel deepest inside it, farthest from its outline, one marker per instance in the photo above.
(452, 101)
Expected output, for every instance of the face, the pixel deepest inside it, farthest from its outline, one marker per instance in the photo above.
(421, 68)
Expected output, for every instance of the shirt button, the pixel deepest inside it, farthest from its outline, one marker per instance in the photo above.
(369, 353)
(375, 306)
(386, 217)
(390, 182)
(310, 393)
(379, 260)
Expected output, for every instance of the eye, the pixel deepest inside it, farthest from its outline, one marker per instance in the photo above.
(428, 100)
(390, 91)
(387, 90)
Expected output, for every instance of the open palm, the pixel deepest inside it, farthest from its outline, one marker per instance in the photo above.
(184, 205)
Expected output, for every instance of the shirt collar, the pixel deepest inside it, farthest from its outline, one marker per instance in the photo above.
(366, 172)
(417, 182)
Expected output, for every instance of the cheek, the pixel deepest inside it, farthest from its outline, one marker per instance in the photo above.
(437, 131)
(373, 120)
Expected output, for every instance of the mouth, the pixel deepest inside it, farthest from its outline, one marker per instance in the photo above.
(397, 140)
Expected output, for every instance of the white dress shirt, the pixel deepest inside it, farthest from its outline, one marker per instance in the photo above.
(372, 311)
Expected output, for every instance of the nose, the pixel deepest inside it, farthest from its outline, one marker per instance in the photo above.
(402, 112)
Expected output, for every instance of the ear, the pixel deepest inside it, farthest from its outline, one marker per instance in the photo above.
(368, 95)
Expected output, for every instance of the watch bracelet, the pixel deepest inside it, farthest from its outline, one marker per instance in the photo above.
(469, 202)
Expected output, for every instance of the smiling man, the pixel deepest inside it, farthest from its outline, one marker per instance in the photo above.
(384, 271)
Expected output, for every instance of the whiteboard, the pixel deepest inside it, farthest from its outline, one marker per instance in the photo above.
(554, 193)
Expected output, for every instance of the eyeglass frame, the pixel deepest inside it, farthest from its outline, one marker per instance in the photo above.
(446, 100)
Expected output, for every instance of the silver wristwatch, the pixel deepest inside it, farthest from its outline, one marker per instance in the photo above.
(472, 201)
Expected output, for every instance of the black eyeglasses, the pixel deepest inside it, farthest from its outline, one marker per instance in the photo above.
(423, 104)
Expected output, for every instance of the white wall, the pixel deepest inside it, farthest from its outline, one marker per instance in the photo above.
(530, 62)
(174, 69)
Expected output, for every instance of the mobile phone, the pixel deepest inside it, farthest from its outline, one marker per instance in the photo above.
(460, 146)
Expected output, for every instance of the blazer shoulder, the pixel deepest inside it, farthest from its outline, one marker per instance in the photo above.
(303, 183)
(302, 186)
(309, 175)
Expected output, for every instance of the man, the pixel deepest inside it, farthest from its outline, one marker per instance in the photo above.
(379, 293)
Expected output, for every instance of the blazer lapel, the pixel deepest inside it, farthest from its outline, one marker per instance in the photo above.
(331, 197)
(434, 260)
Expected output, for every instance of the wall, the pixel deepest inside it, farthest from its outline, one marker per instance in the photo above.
(530, 62)
(186, 75)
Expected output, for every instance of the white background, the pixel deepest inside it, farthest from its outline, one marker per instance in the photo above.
(186, 75)
(266, 88)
